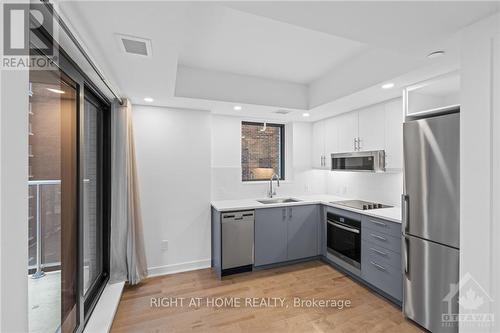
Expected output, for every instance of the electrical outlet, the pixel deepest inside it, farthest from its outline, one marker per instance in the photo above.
(164, 245)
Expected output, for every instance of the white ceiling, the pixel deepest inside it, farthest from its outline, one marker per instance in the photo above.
(224, 39)
(407, 26)
(302, 44)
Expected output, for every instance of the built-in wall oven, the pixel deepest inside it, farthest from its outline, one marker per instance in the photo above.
(344, 239)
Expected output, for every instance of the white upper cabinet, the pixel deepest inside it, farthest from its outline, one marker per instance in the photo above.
(347, 132)
(318, 142)
(378, 127)
(371, 128)
(325, 142)
(437, 95)
(394, 135)
(331, 140)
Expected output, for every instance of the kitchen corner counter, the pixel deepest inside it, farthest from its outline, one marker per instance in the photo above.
(391, 214)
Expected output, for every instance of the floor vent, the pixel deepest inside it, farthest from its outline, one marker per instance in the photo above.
(135, 45)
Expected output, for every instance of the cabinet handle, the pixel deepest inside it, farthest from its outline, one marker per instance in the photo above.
(378, 251)
(284, 213)
(378, 266)
(379, 223)
(289, 212)
(378, 237)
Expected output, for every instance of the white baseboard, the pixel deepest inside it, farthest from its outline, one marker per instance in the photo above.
(178, 268)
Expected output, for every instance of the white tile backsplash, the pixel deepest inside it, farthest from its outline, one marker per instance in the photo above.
(227, 184)
(380, 187)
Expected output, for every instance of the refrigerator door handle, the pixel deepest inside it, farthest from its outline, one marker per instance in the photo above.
(406, 243)
(404, 214)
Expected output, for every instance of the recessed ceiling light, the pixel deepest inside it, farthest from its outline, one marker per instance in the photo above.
(388, 85)
(148, 99)
(305, 114)
(237, 108)
(435, 54)
(57, 91)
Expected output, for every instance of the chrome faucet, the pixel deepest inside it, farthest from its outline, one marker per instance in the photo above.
(272, 191)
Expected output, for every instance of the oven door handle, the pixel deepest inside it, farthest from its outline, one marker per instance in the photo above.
(341, 226)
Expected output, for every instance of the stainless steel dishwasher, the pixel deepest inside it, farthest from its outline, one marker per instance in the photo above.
(237, 241)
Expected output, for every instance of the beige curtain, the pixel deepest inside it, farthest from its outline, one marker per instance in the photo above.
(127, 255)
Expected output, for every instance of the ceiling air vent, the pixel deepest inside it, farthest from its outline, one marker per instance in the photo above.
(283, 111)
(135, 45)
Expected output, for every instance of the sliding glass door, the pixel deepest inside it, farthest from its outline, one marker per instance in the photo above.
(69, 191)
(92, 239)
(53, 208)
(95, 157)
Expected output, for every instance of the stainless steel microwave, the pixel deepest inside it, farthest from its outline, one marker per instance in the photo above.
(363, 161)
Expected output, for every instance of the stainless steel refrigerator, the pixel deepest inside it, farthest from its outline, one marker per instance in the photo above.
(431, 220)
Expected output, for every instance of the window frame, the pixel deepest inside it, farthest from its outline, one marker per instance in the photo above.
(282, 148)
(95, 290)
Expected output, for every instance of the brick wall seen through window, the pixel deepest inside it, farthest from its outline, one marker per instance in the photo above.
(262, 151)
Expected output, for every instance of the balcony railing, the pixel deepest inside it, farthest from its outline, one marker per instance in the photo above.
(44, 225)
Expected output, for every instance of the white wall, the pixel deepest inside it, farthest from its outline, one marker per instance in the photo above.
(226, 162)
(479, 162)
(495, 232)
(173, 161)
(185, 158)
(14, 201)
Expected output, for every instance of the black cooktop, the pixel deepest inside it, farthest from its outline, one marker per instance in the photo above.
(361, 205)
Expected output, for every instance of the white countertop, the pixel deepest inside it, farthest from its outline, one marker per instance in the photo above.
(391, 214)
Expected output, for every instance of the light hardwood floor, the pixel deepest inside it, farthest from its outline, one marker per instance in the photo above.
(315, 279)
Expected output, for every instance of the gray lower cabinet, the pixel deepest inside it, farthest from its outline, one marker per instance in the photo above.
(302, 231)
(285, 233)
(270, 236)
(216, 242)
(385, 277)
(381, 255)
(296, 232)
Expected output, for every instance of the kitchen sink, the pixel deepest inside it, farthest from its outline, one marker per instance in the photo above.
(278, 200)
